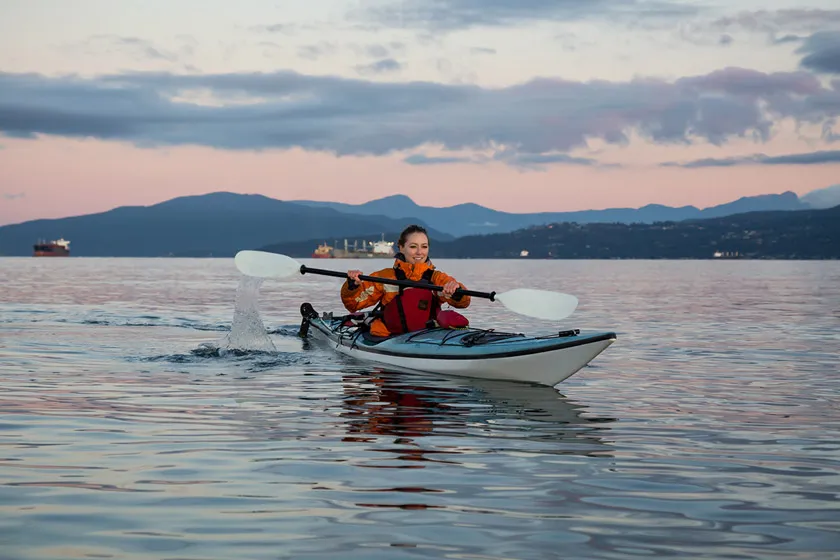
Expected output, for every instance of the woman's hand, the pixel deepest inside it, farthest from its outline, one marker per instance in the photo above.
(450, 287)
(354, 275)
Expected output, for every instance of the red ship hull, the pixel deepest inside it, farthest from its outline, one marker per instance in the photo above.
(50, 254)
(60, 248)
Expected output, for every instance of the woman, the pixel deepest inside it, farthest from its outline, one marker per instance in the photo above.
(404, 309)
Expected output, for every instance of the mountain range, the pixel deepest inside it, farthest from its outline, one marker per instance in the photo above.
(472, 219)
(801, 234)
(220, 224)
(216, 224)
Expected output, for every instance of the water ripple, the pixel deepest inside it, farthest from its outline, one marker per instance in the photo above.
(128, 429)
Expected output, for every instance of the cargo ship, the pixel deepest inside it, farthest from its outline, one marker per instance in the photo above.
(727, 255)
(323, 252)
(56, 248)
(365, 250)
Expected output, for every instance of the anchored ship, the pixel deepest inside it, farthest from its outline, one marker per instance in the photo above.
(727, 255)
(358, 250)
(56, 248)
(323, 252)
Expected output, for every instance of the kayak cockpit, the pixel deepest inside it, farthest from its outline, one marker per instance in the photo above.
(353, 329)
(354, 326)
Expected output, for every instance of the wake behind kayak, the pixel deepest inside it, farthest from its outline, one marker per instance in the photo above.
(468, 352)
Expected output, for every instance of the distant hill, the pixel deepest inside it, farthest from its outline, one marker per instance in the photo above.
(823, 198)
(216, 224)
(473, 219)
(802, 234)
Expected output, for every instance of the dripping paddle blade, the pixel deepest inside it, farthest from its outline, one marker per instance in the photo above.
(261, 264)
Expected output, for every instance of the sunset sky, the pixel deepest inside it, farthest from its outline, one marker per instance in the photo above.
(519, 105)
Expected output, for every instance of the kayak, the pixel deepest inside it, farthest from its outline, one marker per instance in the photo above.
(467, 352)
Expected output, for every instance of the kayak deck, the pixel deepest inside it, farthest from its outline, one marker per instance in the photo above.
(468, 343)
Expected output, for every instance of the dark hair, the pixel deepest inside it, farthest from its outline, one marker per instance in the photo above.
(414, 228)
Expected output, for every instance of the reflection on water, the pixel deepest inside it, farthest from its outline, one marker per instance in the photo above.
(382, 403)
(127, 431)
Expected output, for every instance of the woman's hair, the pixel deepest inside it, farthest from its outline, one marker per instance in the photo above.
(414, 228)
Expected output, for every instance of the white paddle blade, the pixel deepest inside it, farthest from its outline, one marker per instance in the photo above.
(539, 303)
(261, 264)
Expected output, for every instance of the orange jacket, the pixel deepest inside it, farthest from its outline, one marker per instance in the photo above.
(367, 294)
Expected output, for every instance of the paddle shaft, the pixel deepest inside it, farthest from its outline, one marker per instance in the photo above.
(405, 283)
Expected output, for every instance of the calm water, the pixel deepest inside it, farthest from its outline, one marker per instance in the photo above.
(710, 429)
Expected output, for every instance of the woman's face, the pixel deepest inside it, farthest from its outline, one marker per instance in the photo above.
(416, 248)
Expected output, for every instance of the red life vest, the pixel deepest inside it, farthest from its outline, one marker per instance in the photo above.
(413, 309)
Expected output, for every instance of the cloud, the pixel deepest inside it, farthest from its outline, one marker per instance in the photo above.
(451, 15)
(537, 162)
(789, 38)
(315, 51)
(421, 159)
(13, 196)
(511, 157)
(283, 110)
(822, 52)
(384, 66)
(134, 47)
(270, 49)
(379, 50)
(280, 28)
(780, 26)
(571, 42)
(773, 21)
(376, 51)
(482, 50)
(811, 158)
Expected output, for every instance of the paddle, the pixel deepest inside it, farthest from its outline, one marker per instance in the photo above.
(539, 304)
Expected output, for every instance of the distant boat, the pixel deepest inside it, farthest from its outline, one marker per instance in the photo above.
(323, 252)
(56, 248)
(368, 250)
(726, 255)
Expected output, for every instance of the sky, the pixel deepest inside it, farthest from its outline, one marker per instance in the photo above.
(519, 105)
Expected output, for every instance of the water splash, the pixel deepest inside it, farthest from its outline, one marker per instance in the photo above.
(248, 331)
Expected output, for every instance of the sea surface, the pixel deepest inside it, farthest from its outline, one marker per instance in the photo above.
(138, 421)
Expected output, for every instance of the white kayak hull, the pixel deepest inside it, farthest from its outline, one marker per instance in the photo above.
(538, 360)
